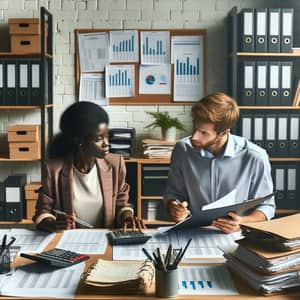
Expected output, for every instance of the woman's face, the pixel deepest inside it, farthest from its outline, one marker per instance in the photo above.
(97, 143)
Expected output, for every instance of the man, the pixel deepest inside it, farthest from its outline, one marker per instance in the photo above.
(213, 163)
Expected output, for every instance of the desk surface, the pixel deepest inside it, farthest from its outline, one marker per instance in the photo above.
(244, 290)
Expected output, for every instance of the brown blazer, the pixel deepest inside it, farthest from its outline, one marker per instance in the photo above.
(57, 188)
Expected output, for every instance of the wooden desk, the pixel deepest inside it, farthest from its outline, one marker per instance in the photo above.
(245, 292)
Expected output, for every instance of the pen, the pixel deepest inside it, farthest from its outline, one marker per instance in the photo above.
(12, 240)
(4, 241)
(180, 255)
(77, 220)
(148, 255)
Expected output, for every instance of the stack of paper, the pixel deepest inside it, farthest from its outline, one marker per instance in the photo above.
(111, 277)
(121, 141)
(158, 148)
(265, 268)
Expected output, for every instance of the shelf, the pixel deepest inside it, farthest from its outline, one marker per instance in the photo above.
(151, 197)
(284, 54)
(35, 55)
(287, 211)
(269, 107)
(284, 159)
(48, 106)
(4, 157)
(23, 222)
(157, 222)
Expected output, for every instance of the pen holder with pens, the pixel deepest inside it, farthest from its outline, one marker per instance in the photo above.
(166, 283)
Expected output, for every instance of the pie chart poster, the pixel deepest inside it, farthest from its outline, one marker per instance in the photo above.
(155, 79)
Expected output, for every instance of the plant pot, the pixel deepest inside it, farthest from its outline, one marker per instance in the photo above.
(169, 134)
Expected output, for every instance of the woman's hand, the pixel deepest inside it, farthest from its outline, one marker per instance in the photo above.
(62, 222)
(129, 220)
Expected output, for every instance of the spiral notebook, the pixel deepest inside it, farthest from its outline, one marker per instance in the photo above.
(116, 277)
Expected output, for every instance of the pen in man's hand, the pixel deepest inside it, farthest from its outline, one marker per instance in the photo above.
(77, 220)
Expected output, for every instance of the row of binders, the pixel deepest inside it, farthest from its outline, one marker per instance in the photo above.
(285, 177)
(266, 30)
(266, 83)
(20, 82)
(268, 258)
(277, 133)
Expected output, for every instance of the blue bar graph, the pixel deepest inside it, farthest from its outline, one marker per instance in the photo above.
(124, 45)
(158, 50)
(186, 68)
(120, 78)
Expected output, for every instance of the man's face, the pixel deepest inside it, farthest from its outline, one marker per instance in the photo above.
(98, 142)
(204, 136)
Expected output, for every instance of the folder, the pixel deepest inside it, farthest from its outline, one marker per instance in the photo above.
(11, 83)
(274, 30)
(287, 20)
(247, 88)
(23, 88)
(271, 128)
(246, 26)
(286, 80)
(246, 126)
(259, 130)
(274, 84)
(35, 87)
(262, 83)
(14, 197)
(261, 25)
(2, 82)
(279, 185)
(282, 135)
(292, 177)
(294, 143)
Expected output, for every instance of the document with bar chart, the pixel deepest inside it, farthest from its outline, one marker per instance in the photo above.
(187, 56)
(155, 47)
(119, 81)
(205, 280)
(123, 46)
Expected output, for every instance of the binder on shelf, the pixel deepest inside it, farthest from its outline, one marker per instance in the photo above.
(279, 183)
(35, 87)
(14, 196)
(2, 202)
(259, 130)
(23, 88)
(282, 135)
(261, 26)
(246, 126)
(286, 83)
(2, 82)
(294, 143)
(287, 19)
(274, 84)
(246, 33)
(261, 83)
(11, 83)
(291, 187)
(271, 128)
(274, 30)
(248, 83)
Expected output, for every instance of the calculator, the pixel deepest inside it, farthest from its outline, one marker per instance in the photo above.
(57, 257)
(132, 237)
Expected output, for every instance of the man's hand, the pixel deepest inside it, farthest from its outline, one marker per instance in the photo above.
(178, 211)
(228, 224)
(129, 220)
(62, 222)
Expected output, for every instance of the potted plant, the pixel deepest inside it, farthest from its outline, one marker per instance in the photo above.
(167, 124)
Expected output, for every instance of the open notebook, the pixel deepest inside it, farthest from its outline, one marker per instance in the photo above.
(117, 277)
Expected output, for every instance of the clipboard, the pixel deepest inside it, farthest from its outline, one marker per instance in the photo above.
(205, 217)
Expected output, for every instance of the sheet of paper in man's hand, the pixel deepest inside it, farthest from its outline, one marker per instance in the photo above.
(228, 199)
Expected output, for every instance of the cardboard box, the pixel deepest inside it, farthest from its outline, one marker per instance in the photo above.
(28, 150)
(30, 208)
(26, 44)
(24, 133)
(24, 26)
(32, 190)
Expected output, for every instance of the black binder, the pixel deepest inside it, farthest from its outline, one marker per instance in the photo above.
(23, 88)
(14, 197)
(270, 134)
(258, 126)
(278, 176)
(274, 30)
(294, 136)
(247, 88)
(262, 83)
(35, 83)
(287, 28)
(286, 83)
(291, 191)
(11, 82)
(2, 202)
(261, 27)
(2, 82)
(246, 30)
(274, 83)
(282, 135)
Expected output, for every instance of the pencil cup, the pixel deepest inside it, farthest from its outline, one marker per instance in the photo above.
(4, 260)
(166, 283)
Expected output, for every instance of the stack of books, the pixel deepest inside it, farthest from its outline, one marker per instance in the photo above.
(268, 258)
(158, 148)
(121, 141)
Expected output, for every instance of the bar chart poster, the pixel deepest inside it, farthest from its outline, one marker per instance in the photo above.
(123, 46)
(93, 51)
(155, 47)
(187, 56)
(205, 280)
(119, 81)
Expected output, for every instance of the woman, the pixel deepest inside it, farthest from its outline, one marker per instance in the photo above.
(82, 178)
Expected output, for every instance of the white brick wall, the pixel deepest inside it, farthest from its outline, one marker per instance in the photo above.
(120, 14)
